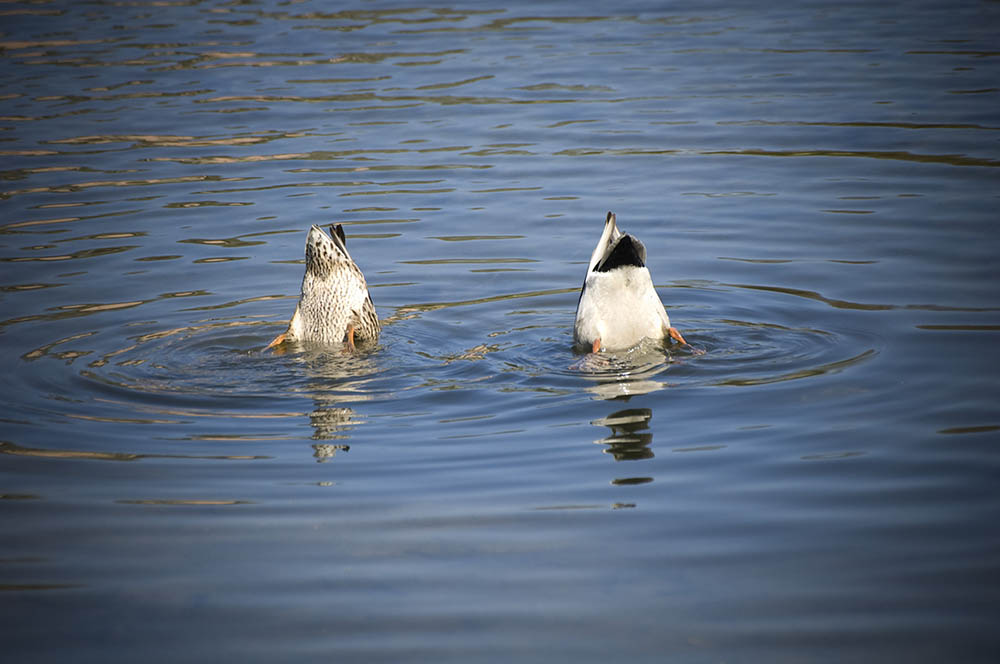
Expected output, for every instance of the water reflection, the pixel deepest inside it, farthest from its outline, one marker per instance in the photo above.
(14, 449)
(330, 423)
(630, 438)
(624, 387)
(323, 452)
(626, 374)
(335, 378)
(208, 370)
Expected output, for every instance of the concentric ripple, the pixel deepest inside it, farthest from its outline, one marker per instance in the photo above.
(225, 359)
(220, 364)
(730, 345)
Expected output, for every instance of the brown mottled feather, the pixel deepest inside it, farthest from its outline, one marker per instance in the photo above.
(334, 297)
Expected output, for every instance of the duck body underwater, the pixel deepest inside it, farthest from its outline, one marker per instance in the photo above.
(335, 305)
(618, 305)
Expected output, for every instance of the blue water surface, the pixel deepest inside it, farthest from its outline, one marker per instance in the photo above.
(814, 479)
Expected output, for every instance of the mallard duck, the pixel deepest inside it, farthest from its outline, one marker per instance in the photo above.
(618, 305)
(335, 305)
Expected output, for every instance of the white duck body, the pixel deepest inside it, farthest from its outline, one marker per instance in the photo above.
(335, 305)
(618, 304)
(620, 308)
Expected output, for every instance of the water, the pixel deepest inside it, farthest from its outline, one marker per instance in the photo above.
(817, 188)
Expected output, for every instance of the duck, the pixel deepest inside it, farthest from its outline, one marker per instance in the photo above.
(335, 305)
(618, 305)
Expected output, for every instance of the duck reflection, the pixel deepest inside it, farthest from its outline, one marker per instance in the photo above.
(330, 423)
(335, 379)
(624, 388)
(619, 376)
(323, 452)
(630, 439)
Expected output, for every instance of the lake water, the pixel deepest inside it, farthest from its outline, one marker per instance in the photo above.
(817, 187)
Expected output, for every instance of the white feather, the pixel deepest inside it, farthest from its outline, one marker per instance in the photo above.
(619, 307)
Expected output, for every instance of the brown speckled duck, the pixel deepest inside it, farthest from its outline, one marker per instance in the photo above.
(335, 305)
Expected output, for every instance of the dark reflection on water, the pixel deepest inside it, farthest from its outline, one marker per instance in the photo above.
(11, 448)
(813, 480)
(629, 439)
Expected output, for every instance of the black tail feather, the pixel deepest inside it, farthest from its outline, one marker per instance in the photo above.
(627, 251)
(337, 231)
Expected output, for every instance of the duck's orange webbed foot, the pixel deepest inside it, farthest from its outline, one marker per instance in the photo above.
(675, 335)
(277, 341)
(350, 338)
